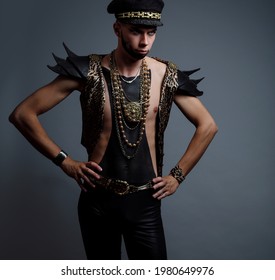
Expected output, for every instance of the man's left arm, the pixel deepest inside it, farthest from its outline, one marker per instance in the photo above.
(206, 129)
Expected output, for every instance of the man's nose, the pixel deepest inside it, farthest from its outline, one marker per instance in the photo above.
(144, 40)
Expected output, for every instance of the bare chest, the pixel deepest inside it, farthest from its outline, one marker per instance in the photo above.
(157, 71)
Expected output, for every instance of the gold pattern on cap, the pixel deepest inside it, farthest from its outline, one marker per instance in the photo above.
(145, 15)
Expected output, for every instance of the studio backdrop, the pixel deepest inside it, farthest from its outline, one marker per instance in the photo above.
(225, 208)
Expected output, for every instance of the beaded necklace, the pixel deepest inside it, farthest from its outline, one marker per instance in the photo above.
(130, 114)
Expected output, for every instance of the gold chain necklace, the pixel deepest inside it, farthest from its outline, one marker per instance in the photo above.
(134, 112)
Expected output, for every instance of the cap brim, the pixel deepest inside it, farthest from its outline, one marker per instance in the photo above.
(138, 21)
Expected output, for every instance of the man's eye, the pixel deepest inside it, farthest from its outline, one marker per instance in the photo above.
(135, 32)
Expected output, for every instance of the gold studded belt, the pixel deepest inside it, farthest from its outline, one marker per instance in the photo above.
(120, 187)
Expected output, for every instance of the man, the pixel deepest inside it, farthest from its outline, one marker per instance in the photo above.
(126, 98)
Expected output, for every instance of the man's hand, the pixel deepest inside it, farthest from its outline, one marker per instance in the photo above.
(165, 186)
(81, 171)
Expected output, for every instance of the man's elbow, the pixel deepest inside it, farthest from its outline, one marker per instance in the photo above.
(212, 128)
(208, 127)
(13, 117)
(17, 117)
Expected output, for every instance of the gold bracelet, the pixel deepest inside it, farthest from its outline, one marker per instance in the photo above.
(177, 173)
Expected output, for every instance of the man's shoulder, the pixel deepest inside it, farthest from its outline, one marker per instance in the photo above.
(167, 64)
(161, 66)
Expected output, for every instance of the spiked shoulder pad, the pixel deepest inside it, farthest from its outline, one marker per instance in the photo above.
(73, 66)
(188, 86)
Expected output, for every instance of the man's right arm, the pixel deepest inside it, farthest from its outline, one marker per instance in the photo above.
(25, 118)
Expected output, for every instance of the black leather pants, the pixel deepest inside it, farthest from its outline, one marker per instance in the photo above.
(105, 217)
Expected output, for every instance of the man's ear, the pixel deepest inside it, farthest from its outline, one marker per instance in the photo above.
(116, 27)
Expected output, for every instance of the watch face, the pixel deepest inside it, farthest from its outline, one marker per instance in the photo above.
(60, 158)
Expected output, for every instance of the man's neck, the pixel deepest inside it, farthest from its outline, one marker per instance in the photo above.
(127, 65)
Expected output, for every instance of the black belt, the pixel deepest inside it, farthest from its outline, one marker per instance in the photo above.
(120, 187)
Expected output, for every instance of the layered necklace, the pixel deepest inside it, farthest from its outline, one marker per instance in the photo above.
(130, 114)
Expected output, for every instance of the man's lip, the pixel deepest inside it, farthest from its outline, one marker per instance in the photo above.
(142, 51)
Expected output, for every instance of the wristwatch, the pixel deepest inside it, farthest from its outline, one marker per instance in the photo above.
(60, 158)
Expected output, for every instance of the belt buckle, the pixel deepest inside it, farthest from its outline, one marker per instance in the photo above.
(121, 187)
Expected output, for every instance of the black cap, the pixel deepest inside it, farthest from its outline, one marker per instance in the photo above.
(142, 12)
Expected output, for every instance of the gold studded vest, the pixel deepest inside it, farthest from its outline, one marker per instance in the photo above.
(93, 99)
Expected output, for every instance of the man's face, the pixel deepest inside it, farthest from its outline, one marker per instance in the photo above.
(136, 40)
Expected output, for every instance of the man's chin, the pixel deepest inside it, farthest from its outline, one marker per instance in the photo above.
(139, 54)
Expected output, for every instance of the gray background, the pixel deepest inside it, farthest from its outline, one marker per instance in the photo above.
(225, 209)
